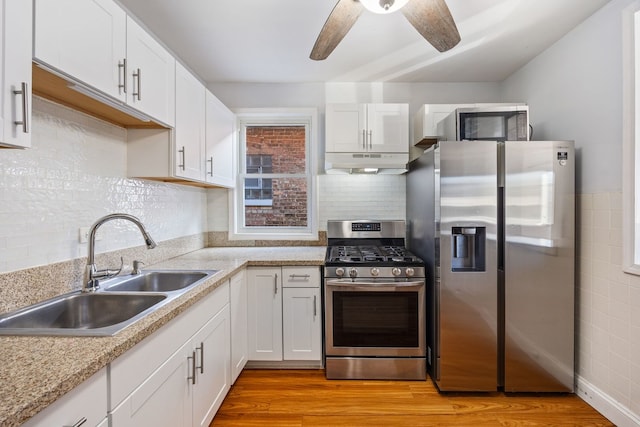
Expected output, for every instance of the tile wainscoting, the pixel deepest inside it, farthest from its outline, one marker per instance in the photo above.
(608, 312)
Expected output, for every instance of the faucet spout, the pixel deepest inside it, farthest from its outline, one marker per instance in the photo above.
(92, 274)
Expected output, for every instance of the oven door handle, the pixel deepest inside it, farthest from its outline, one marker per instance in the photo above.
(369, 285)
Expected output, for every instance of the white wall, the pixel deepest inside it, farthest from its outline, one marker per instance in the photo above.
(75, 173)
(574, 91)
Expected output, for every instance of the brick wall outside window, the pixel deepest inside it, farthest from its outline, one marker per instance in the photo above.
(286, 146)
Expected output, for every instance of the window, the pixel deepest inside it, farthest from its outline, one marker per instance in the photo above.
(275, 193)
(258, 191)
(631, 138)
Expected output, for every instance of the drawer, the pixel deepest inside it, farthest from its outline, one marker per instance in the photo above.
(301, 277)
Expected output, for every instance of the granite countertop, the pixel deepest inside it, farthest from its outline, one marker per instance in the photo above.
(28, 384)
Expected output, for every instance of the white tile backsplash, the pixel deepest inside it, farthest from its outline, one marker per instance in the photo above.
(75, 173)
(608, 301)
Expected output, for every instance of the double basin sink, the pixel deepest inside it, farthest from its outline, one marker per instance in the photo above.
(118, 303)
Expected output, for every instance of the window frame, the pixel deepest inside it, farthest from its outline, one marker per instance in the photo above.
(307, 117)
(631, 138)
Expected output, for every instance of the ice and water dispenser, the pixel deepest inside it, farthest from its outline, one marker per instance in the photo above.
(468, 248)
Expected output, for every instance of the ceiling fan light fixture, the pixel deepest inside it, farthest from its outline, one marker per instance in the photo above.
(383, 6)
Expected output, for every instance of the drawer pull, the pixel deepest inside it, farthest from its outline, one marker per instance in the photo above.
(193, 367)
(24, 94)
(275, 284)
(201, 348)
(299, 276)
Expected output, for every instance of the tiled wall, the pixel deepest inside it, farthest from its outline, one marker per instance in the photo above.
(75, 173)
(608, 306)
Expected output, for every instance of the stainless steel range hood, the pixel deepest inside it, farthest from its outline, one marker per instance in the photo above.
(366, 163)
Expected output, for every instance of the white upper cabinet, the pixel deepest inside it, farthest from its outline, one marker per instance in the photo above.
(83, 39)
(220, 143)
(378, 128)
(15, 73)
(190, 125)
(94, 42)
(150, 75)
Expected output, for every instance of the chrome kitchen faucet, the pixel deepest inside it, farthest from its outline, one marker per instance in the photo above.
(92, 274)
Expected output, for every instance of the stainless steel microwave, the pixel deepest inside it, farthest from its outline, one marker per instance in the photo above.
(499, 123)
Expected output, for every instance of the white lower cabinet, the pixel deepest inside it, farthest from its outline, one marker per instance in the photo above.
(238, 305)
(265, 313)
(86, 402)
(284, 314)
(212, 353)
(163, 399)
(301, 324)
(179, 375)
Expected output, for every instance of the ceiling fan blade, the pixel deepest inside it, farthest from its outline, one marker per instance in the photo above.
(434, 22)
(342, 17)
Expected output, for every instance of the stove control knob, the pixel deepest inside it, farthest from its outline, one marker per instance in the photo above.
(339, 271)
(396, 271)
(375, 271)
(409, 272)
(353, 273)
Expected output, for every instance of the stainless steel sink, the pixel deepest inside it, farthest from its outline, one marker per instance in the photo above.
(157, 281)
(91, 314)
(120, 302)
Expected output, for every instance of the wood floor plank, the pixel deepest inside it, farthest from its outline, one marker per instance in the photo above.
(304, 398)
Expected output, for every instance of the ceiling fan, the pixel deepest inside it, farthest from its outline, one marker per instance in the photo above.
(431, 18)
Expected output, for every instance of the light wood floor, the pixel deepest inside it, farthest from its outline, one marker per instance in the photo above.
(286, 398)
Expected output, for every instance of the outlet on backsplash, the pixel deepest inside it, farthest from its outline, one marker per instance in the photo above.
(83, 235)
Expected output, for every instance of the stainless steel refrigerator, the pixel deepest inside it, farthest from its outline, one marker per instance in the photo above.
(495, 225)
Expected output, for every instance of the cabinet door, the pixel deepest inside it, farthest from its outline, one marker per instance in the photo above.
(239, 352)
(265, 314)
(83, 39)
(86, 402)
(213, 370)
(150, 75)
(164, 399)
(389, 128)
(301, 323)
(190, 125)
(15, 73)
(345, 128)
(220, 143)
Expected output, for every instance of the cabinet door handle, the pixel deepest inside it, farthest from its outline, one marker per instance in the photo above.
(370, 141)
(211, 162)
(122, 81)
(78, 423)
(275, 284)
(201, 348)
(315, 310)
(193, 367)
(364, 139)
(137, 76)
(24, 91)
(181, 165)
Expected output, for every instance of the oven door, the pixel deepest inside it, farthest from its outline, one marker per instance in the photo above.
(370, 318)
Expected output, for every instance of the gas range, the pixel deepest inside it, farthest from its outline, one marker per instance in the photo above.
(370, 249)
(374, 307)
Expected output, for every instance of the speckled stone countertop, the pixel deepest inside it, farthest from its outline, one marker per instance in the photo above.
(36, 371)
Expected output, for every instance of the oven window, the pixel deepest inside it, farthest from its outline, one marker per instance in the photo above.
(375, 319)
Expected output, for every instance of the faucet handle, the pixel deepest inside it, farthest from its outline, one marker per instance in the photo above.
(107, 272)
(136, 267)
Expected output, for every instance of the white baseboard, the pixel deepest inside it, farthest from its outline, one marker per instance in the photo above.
(617, 413)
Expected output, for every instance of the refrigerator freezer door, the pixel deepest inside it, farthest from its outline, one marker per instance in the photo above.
(539, 266)
(467, 293)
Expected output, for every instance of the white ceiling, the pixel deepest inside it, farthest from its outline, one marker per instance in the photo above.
(270, 40)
